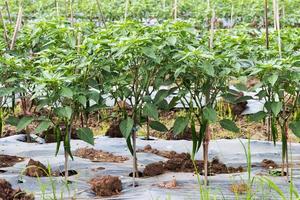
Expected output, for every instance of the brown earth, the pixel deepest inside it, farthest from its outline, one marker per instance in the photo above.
(106, 185)
(268, 164)
(98, 155)
(154, 169)
(181, 162)
(114, 130)
(169, 184)
(36, 169)
(8, 193)
(9, 161)
(49, 135)
(239, 188)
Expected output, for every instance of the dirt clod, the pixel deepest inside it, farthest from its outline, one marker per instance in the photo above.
(36, 169)
(98, 155)
(8, 193)
(154, 169)
(106, 185)
(114, 130)
(269, 164)
(239, 188)
(181, 162)
(169, 184)
(9, 161)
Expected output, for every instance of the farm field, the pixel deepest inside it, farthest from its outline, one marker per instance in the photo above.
(149, 99)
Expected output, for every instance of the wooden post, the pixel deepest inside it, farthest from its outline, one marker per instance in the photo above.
(267, 24)
(126, 10)
(212, 29)
(5, 33)
(17, 28)
(8, 12)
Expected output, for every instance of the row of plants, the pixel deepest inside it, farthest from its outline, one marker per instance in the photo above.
(65, 71)
(197, 10)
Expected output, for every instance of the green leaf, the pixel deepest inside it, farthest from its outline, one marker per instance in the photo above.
(24, 122)
(126, 127)
(44, 125)
(229, 125)
(241, 87)
(180, 124)
(12, 120)
(210, 114)
(66, 92)
(64, 112)
(86, 134)
(256, 117)
(275, 107)
(82, 99)
(272, 79)
(209, 69)
(6, 91)
(158, 126)
(172, 40)
(295, 127)
(149, 51)
(150, 110)
(160, 95)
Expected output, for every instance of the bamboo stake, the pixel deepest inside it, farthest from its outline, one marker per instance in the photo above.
(231, 15)
(101, 16)
(277, 20)
(126, 9)
(208, 4)
(8, 12)
(274, 11)
(71, 13)
(212, 31)
(5, 33)
(57, 8)
(175, 9)
(266, 24)
(17, 28)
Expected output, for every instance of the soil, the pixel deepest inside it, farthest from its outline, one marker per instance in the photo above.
(114, 130)
(169, 184)
(106, 185)
(185, 135)
(238, 108)
(98, 155)
(9, 161)
(181, 162)
(137, 174)
(269, 164)
(49, 135)
(36, 169)
(239, 188)
(154, 169)
(8, 193)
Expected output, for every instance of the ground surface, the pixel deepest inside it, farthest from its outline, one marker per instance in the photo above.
(228, 151)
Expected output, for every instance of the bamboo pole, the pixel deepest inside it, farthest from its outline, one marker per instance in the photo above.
(267, 24)
(5, 33)
(126, 10)
(8, 12)
(101, 16)
(17, 28)
(71, 13)
(231, 15)
(175, 9)
(277, 25)
(212, 29)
